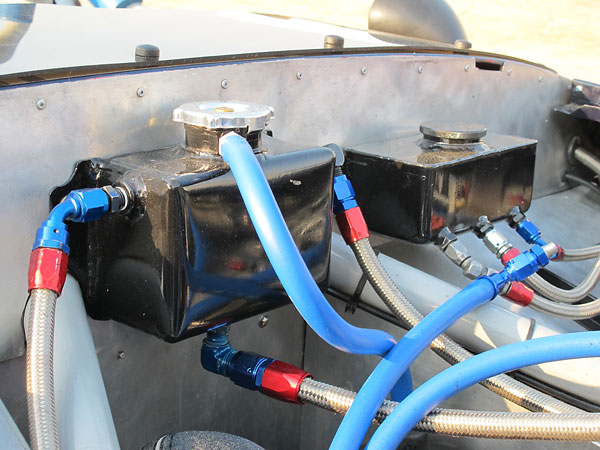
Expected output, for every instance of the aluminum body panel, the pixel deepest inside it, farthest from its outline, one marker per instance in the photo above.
(12, 438)
(333, 102)
(155, 388)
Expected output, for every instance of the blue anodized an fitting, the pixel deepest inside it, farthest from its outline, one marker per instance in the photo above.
(526, 264)
(530, 233)
(343, 194)
(82, 205)
(243, 368)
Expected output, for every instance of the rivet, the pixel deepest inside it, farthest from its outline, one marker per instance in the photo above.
(120, 355)
(263, 321)
(467, 68)
(40, 104)
(509, 72)
(363, 70)
(224, 84)
(420, 69)
(540, 78)
(299, 75)
(140, 92)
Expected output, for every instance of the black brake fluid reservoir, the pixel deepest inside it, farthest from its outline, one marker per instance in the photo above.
(185, 257)
(413, 185)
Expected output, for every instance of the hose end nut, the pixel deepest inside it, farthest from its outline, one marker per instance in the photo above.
(519, 293)
(474, 269)
(445, 238)
(510, 254)
(343, 194)
(47, 269)
(483, 227)
(92, 204)
(352, 225)
(117, 198)
(282, 381)
(515, 217)
(529, 232)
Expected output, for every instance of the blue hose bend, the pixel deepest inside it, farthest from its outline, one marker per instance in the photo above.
(391, 368)
(473, 370)
(286, 259)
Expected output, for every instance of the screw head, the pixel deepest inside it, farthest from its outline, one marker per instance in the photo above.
(140, 92)
(263, 321)
(224, 84)
(363, 70)
(420, 69)
(466, 68)
(40, 104)
(299, 75)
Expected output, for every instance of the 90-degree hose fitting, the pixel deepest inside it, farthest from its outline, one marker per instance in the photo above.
(524, 265)
(49, 259)
(528, 231)
(274, 378)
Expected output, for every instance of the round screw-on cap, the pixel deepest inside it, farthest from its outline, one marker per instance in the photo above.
(147, 53)
(462, 44)
(333, 41)
(459, 131)
(221, 115)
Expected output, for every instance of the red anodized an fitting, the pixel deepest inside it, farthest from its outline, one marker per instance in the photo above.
(519, 294)
(282, 381)
(559, 255)
(352, 225)
(511, 254)
(47, 269)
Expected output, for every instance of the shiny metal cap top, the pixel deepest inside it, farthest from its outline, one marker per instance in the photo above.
(224, 115)
(460, 131)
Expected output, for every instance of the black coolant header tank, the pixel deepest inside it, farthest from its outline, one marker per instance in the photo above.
(412, 186)
(185, 257)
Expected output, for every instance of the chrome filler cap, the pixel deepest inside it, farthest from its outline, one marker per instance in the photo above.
(224, 115)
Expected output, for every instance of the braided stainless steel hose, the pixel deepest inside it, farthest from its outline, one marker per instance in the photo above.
(480, 424)
(587, 159)
(575, 312)
(445, 347)
(548, 290)
(43, 429)
(580, 254)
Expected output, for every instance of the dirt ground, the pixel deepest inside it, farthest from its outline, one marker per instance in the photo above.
(561, 34)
